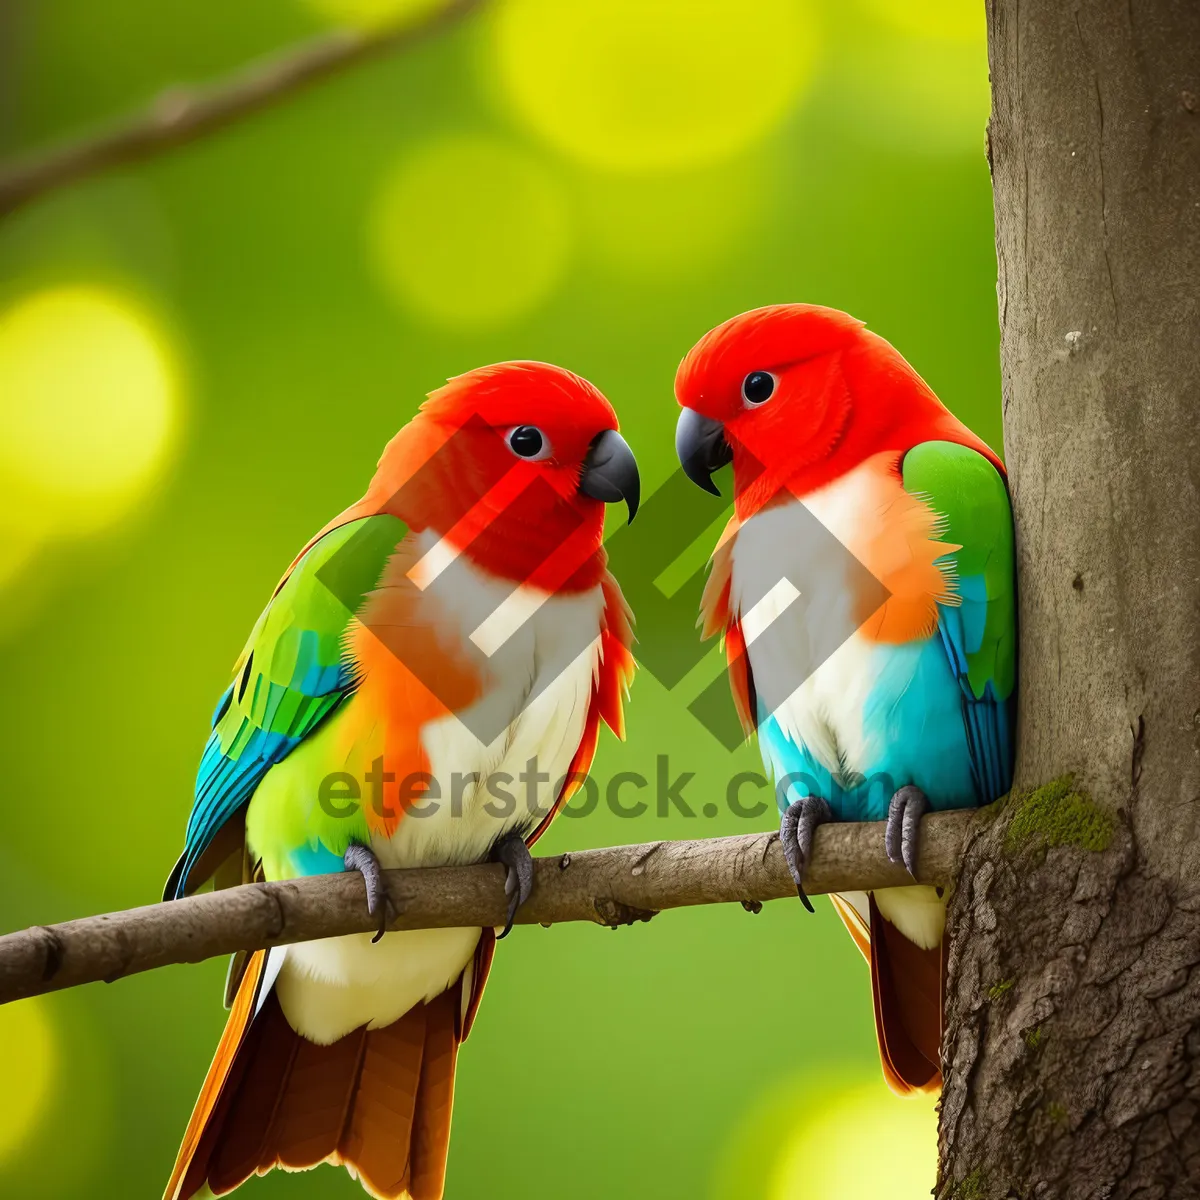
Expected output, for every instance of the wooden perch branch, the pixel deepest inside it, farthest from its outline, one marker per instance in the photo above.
(615, 886)
(182, 114)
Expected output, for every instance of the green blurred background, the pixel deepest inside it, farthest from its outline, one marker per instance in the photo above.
(200, 360)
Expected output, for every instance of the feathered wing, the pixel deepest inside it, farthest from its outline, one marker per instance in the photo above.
(292, 674)
(979, 634)
(968, 496)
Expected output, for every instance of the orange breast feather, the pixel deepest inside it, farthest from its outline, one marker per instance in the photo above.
(897, 538)
(399, 643)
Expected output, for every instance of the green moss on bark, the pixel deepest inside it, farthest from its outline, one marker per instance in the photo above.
(1057, 814)
(998, 989)
(972, 1187)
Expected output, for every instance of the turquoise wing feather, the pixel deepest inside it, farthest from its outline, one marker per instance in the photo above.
(978, 634)
(292, 674)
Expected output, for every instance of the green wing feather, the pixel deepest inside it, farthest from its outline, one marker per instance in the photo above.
(979, 633)
(292, 674)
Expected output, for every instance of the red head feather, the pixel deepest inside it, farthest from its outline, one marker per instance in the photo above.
(451, 469)
(842, 394)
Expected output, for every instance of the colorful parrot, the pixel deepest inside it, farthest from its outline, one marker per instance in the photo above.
(453, 632)
(865, 590)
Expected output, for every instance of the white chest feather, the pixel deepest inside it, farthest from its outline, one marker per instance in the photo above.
(499, 764)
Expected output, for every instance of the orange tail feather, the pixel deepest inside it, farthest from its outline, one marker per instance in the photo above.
(376, 1101)
(196, 1142)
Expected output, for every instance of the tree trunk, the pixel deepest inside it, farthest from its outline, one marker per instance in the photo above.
(1072, 1048)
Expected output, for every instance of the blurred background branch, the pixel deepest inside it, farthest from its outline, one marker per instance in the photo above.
(614, 886)
(183, 114)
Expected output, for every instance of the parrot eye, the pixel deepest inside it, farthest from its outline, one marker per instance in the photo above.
(528, 441)
(758, 387)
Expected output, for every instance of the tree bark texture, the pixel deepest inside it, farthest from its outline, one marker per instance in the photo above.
(1072, 1047)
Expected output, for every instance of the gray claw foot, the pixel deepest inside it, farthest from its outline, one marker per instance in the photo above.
(905, 811)
(518, 879)
(796, 830)
(362, 859)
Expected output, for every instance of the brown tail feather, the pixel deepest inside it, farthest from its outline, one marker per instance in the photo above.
(377, 1140)
(376, 1101)
(907, 985)
(435, 1102)
(239, 1138)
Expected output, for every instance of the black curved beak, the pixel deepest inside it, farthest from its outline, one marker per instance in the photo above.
(702, 449)
(610, 472)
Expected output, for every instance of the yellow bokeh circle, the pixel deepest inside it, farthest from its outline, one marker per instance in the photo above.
(635, 85)
(89, 409)
(823, 1158)
(28, 1065)
(470, 233)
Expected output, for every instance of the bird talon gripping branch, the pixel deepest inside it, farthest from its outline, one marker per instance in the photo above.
(513, 852)
(797, 826)
(362, 859)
